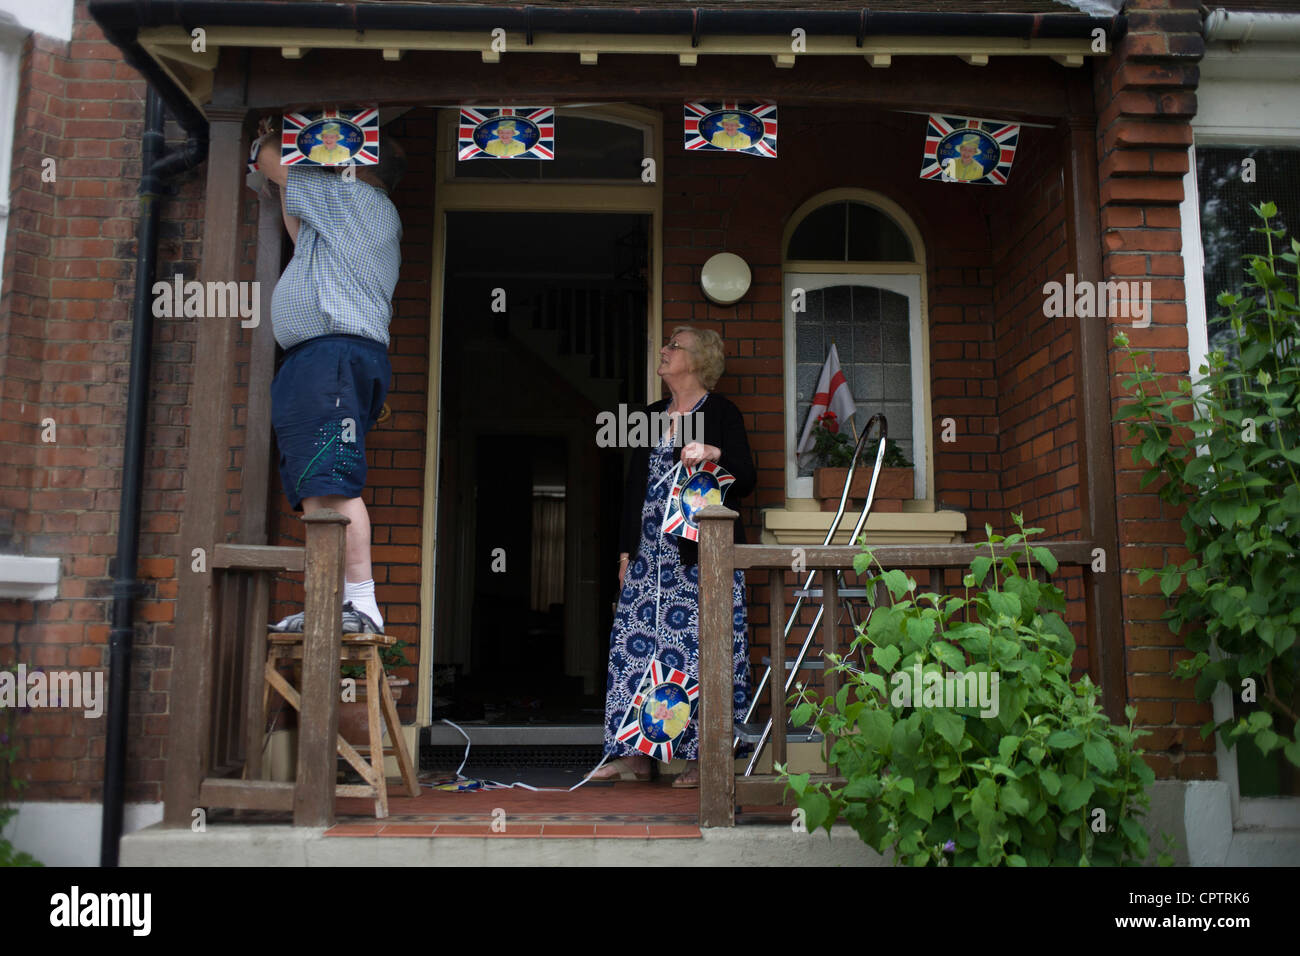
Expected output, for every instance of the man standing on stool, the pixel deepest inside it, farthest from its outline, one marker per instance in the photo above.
(330, 313)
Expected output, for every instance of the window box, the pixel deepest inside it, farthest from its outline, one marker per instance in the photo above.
(893, 488)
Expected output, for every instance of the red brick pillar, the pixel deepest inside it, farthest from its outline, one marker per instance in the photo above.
(1145, 99)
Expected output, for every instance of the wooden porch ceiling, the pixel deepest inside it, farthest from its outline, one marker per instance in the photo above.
(464, 65)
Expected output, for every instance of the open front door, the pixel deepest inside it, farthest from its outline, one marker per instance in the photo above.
(544, 326)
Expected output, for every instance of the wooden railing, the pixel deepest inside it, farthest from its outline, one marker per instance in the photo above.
(720, 787)
(232, 753)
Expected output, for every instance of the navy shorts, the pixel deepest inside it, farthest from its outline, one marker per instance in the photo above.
(325, 398)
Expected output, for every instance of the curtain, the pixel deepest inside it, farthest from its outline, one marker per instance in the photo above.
(548, 552)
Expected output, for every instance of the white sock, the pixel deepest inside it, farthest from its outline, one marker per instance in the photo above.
(362, 596)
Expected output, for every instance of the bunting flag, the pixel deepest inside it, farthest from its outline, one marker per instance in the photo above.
(330, 138)
(731, 126)
(832, 402)
(506, 132)
(694, 488)
(959, 149)
(662, 708)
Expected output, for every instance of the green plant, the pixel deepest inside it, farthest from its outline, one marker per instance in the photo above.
(9, 784)
(1039, 777)
(834, 449)
(390, 655)
(1227, 450)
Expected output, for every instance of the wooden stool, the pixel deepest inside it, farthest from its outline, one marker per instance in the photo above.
(356, 649)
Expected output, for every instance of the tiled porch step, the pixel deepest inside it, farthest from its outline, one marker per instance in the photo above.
(579, 831)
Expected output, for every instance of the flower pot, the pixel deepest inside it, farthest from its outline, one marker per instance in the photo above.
(894, 486)
(354, 716)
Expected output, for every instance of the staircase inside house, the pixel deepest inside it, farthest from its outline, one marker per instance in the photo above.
(585, 332)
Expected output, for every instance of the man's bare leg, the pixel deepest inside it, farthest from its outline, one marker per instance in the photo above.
(357, 559)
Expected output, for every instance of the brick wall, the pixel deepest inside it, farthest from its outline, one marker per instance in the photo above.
(1145, 96)
(64, 340)
(1035, 364)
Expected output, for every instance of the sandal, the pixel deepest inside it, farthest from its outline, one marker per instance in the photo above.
(689, 778)
(620, 769)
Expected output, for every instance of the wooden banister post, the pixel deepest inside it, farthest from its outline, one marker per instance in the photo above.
(717, 571)
(194, 675)
(318, 728)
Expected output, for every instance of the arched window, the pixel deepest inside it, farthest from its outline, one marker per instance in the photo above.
(849, 232)
(854, 277)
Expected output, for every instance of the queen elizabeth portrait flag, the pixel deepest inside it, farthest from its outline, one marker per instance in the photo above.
(660, 711)
(960, 149)
(506, 132)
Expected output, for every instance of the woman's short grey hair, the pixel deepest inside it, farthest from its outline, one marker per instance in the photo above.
(708, 358)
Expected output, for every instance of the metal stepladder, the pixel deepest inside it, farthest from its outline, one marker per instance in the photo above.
(751, 733)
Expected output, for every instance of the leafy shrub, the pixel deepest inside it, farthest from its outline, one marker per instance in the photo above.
(1043, 777)
(1229, 449)
(9, 784)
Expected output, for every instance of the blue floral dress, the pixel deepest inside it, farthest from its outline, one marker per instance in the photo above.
(656, 578)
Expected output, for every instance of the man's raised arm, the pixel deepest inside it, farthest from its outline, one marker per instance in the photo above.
(268, 163)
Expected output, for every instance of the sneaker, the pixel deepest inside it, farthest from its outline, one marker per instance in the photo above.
(358, 622)
(290, 625)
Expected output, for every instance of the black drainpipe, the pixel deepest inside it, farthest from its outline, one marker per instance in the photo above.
(156, 166)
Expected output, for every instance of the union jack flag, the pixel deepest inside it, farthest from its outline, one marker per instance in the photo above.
(359, 128)
(998, 141)
(662, 708)
(477, 130)
(703, 119)
(700, 480)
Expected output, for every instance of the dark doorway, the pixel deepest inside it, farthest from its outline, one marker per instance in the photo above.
(544, 326)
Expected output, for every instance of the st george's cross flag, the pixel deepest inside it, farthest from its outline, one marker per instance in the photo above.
(832, 396)
(662, 708)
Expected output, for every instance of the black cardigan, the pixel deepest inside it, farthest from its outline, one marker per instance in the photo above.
(724, 429)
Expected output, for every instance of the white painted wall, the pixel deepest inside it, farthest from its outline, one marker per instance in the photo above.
(67, 834)
(50, 17)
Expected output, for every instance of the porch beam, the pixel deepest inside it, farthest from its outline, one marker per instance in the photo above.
(1023, 88)
(1097, 494)
(255, 488)
(301, 40)
(205, 471)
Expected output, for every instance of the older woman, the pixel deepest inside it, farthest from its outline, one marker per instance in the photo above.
(658, 573)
